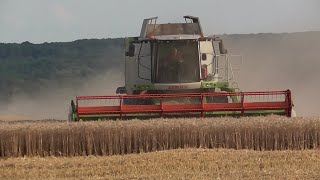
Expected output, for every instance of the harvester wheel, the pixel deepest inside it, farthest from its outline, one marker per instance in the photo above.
(142, 101)
(293, 113)
(72, 112)
(217, 99)
(137, 102)
(70, 115)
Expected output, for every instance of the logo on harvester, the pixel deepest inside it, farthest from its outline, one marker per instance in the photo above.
(178, 87)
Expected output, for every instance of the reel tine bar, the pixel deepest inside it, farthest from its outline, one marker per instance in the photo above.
(141, 104)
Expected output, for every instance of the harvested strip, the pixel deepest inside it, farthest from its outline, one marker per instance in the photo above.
(172, 164)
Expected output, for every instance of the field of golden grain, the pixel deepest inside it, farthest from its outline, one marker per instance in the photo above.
(54, 138)
(171, 164)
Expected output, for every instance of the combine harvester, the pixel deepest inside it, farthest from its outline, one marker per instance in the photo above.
(173, 70)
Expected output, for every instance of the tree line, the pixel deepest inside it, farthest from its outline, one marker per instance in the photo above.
(28, 68)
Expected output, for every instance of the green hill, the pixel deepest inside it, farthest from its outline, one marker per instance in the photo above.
(31, 68)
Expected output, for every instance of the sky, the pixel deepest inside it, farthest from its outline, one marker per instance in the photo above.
(39, 21)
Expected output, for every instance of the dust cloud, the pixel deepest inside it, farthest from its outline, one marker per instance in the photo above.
(281, 62)
(55, 104)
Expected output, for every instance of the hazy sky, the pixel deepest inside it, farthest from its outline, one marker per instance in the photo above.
(40, 21)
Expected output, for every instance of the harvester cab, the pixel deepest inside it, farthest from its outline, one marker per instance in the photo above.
(173, 70)
(175, 58)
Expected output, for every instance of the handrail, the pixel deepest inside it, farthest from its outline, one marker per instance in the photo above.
(183, 95)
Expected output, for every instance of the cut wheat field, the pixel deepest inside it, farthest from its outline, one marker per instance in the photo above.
(170, 164)
(55, 138)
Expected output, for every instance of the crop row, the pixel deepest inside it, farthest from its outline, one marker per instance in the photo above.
(123, 137)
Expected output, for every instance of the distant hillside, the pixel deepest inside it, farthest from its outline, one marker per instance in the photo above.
(31, 68)
(56, 72)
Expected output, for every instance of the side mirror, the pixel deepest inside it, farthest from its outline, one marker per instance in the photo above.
(121, 90)
(222, 49)
(203, 56)
(131, 50)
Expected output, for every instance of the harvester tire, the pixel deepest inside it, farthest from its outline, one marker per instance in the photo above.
(218, 99)
(293, 113)
(72, 111)
(70, 115)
